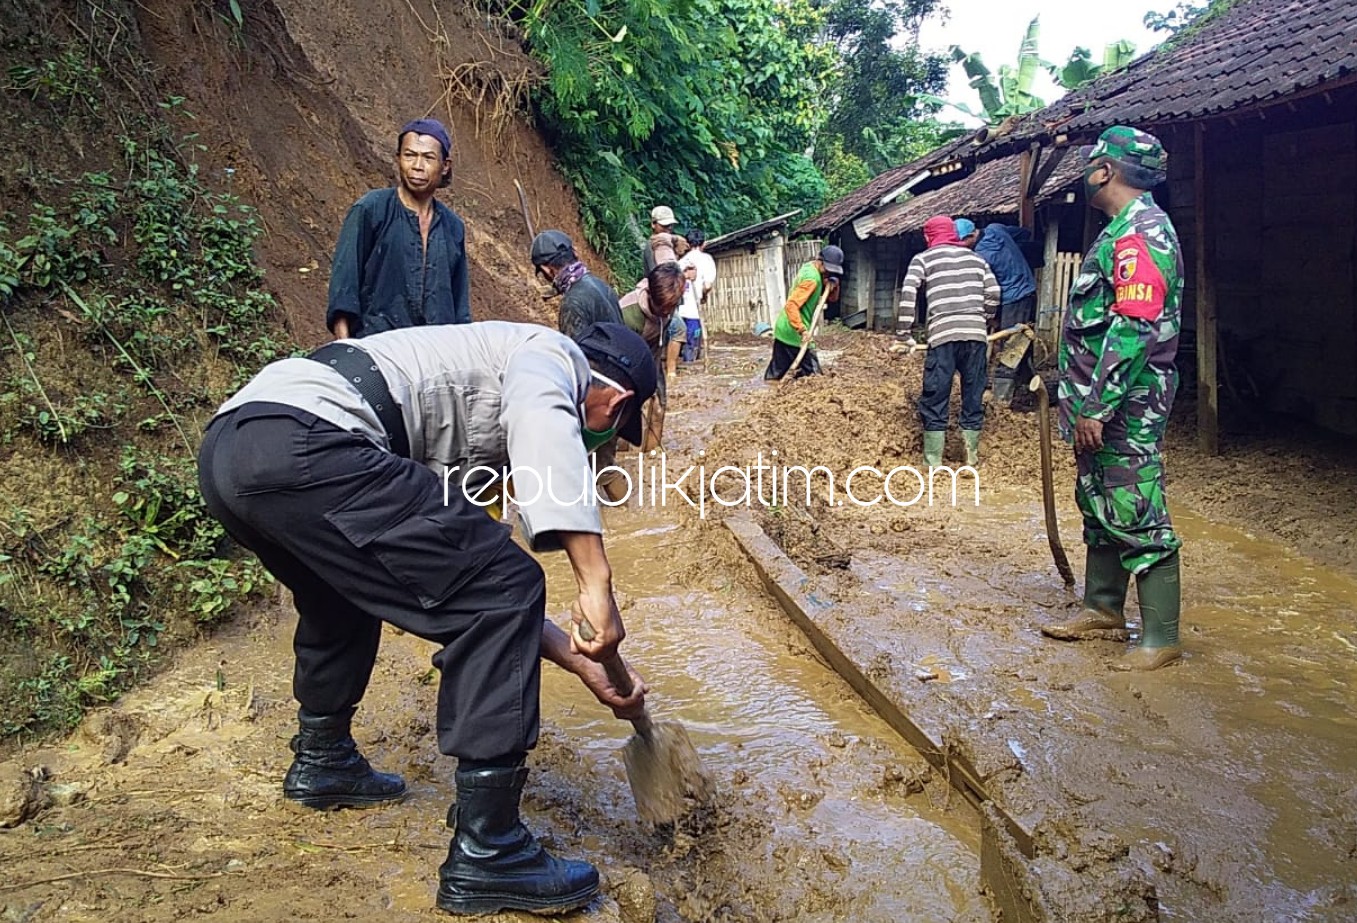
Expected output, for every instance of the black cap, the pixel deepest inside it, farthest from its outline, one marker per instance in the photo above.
(832, 257)
(548, 245)
(623, 355)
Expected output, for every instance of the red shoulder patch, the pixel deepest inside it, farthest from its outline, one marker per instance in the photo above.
(1139, 286)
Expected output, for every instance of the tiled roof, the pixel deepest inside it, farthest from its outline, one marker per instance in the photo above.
(864, 199)
(990, 191)
(1258, 51)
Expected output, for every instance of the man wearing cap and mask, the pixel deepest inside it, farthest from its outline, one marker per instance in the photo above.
(585, 298)
(792, 326)
(1117, 383)
(351, 473)
(401, 257)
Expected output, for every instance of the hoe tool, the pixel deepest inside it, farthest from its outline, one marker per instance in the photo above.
(810, 335)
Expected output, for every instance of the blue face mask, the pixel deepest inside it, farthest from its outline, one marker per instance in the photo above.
(595, 438)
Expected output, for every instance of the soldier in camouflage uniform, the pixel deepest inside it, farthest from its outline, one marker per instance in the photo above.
(1117, 381)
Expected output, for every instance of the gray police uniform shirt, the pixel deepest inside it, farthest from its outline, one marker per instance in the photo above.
(492, 393)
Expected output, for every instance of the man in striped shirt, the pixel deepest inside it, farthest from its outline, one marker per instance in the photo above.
(961, 293)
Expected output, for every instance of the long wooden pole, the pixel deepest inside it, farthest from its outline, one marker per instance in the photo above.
(810, 335)
(1208, 395)
(1062, 562)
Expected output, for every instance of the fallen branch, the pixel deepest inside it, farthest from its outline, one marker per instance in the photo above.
(98, 873)
(56, 417)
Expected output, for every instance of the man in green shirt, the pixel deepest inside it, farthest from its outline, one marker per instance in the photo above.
(1117, 382)
(792, 327)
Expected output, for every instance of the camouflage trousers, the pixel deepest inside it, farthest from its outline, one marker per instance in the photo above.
(1121, 497)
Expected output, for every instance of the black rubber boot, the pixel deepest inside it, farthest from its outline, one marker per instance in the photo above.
(1104, 612)
(494, 863)
(329, 772)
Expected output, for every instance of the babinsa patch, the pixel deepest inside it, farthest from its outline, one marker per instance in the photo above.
(1126, 263)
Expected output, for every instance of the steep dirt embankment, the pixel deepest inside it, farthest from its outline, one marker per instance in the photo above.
(304, 103)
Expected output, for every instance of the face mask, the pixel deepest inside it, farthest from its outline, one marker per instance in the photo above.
(594, 438)
(1092, 189)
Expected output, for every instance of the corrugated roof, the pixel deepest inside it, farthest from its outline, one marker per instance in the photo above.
(747, 234)
(1257, 52)
(991, 190)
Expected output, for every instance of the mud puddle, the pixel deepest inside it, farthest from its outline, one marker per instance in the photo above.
(1231, 775)
(786, 739)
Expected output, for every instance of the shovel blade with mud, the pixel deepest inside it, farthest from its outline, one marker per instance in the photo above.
(663, 768)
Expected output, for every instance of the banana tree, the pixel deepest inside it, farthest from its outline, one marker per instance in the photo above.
(1080, 68)
(1011, 94)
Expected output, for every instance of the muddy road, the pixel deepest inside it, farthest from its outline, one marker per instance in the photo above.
(168, 806)
(1223, 788)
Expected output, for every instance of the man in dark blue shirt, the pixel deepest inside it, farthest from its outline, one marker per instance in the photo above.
(401, 257)
(1018, 292)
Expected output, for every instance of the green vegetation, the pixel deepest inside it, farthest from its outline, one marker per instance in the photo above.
(131, 306)
(1186, 18)
(731, 111)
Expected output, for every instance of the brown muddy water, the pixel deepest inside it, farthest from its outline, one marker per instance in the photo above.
(1233, 774)
(766, 714)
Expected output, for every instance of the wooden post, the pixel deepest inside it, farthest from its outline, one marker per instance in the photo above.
(1046, 298)
(1026, 194)
(1208, 397)
(773, 255)
(864, 277)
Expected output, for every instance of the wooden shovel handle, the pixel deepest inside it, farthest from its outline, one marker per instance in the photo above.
(1062, 563)
(618, 675)
(810, 335)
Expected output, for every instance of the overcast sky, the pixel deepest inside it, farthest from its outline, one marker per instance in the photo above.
(995, 29)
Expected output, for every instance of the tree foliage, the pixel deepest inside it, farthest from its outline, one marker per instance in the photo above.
(729, 111)
(1186, 17)
(705, 105)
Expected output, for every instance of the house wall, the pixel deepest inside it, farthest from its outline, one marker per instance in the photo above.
(749, 287)
(1282, 251)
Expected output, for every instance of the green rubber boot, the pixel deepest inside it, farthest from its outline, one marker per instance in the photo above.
(1104, 613)
(1161, 601)
(972, 440)
(933, 448)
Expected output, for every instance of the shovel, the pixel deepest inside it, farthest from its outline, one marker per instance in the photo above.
(1010, 356)
(810, 335)
(1062, 563)
(662, 764)
(1019, 342)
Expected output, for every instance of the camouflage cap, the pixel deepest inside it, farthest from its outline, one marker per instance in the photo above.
(1130, 145)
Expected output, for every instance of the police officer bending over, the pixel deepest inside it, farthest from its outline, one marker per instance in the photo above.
(331, 469)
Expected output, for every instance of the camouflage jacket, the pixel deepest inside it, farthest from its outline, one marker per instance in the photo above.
(1121, 331)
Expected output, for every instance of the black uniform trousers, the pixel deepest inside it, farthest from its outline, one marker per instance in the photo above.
(783, 357)
(361, 536)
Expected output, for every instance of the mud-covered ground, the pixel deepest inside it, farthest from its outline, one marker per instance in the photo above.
(1221, 788)
(168, 806)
